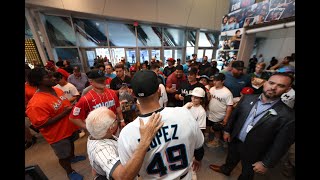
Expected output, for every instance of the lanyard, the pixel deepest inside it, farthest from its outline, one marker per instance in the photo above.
(255, 111)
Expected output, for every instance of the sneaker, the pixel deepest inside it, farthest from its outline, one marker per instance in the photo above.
(30, 143)
(288, 170)
(206, 138)
(77, 159)
(82, 133)
(75, 176)
(213, 144)
(225, 145)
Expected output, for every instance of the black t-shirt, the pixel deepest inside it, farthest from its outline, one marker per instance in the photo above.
(203, 67)
(185, 90)
(117, 83)
(69, 69)
(59, 64)
(167, 71)
(211, 71)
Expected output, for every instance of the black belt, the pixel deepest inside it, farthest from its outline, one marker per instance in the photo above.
(181, 177)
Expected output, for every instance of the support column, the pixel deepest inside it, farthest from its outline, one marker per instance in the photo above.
(36, 37)
(80, 58)
(40, 20)
(197, 41)
(246, 47)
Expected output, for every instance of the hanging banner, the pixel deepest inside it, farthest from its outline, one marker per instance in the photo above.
(239, 4)
(258, 13)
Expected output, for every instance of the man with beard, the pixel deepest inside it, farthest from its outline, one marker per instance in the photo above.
(173, 84)
(204, 65)
(260, 130)
(48, 111)
(236, 80)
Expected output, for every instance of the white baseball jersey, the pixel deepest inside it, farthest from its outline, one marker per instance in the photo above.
(220, 99)
(199, 114)
(69, 90)
(171, 152)
(103, 156)
(163, 97)
(289, 98)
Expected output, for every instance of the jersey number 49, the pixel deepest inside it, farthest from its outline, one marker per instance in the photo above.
(176, 161)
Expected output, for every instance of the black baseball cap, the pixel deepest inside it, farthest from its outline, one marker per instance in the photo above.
(95, 74)
(238, 65)
(204, 76)
(144, 83)
(219, 77)
(192, 70)
(179, 67)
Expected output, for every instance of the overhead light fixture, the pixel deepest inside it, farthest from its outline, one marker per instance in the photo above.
(273, 27)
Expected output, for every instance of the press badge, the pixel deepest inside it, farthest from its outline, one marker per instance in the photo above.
(249, 128)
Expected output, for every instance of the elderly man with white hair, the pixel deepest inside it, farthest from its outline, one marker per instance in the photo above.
(102, 144)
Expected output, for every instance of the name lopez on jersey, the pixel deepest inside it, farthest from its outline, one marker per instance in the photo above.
(163, 136)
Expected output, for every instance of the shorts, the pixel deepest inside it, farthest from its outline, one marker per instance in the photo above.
(216, 126)
(62, 148)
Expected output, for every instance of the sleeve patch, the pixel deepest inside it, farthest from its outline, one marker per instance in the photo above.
(76, 111)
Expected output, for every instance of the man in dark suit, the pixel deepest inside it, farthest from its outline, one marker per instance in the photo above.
(260, 130)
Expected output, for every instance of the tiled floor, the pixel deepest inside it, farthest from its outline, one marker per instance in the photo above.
(42, 155)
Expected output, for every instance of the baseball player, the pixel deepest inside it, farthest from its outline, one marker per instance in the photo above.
(96, 97)
(177, 148)
(102, 145)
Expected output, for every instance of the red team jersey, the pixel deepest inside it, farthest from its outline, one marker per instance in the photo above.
(93, 100)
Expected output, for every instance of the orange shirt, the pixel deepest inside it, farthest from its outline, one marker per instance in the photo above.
(43, 106)
(28, 92)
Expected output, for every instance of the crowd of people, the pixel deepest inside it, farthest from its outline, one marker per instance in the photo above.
(153, 121)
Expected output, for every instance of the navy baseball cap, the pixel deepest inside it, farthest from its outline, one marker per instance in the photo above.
(95, 74)
(179, 67)
(192, 70)
(238, 64)
(144, 83)
(219, 77)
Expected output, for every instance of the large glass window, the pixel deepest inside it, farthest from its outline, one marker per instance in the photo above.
(91, 55)
(70, 54)
(27, 30)
(149, 35)
(189, 52)
(90, 33)
(121, 34)
(206, 39)
(200, 55)
(144, 55)
(155, 53)
(131, 56)
(173, 37)
(116, 54)
(178, 54)
(60, 31)
(167, 54)
(103, 52)
(208, 53)
(191, 38)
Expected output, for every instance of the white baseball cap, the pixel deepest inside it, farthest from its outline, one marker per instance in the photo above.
(198, 91)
